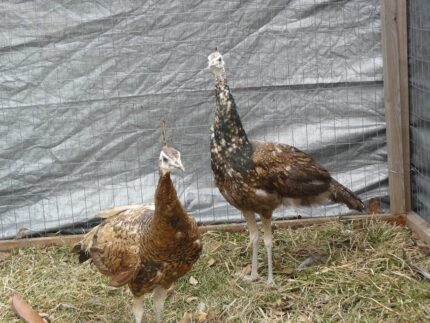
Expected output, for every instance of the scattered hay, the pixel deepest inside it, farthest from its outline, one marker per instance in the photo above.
(362, 274)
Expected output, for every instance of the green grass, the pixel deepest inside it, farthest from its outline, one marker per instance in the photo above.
(364, 276)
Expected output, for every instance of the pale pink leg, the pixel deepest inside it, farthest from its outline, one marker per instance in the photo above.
(138, 308)
(159, 296)
(267, 231)
(253, 236)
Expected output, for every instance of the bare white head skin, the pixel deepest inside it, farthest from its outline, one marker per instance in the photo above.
(216, 64)
(170, 160)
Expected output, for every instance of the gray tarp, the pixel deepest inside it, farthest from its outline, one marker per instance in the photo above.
(83, 86)
(419, 93)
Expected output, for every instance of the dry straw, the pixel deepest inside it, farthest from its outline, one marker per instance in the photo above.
(358, 272)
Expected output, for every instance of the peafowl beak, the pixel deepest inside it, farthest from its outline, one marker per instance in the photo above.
(179, 165)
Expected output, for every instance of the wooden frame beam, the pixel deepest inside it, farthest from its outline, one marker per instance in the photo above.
(396, 97)
(6, 245)
(420, 226)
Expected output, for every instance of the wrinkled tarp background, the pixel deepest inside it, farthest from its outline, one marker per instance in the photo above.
(419, 107)
(83, 86)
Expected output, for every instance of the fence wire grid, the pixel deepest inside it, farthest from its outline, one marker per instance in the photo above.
(419, 104)
(84, 86)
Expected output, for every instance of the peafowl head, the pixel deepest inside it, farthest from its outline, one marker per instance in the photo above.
(216, 63)
(170, 160)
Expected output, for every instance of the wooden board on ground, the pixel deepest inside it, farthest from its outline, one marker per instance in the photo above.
(420, 226)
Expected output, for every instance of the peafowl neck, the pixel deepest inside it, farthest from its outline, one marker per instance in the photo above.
(229, 141)
(167, 204)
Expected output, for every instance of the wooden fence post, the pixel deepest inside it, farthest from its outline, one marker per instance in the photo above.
(395, 56)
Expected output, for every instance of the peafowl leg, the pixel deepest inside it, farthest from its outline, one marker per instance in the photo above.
(159, 296)
(253, 236)
(138, 308)
(266, 224)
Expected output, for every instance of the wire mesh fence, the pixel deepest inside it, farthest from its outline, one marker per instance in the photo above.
(86, 84)
(419, 94)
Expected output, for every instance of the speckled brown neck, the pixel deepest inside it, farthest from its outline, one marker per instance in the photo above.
(230, 142)
(227, 121)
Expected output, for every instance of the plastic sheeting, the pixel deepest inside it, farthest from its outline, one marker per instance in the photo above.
(83, 86)
(419, 107)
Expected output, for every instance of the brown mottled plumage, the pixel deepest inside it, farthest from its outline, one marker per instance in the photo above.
(258, 177)
(149, 246)
(374, 205)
